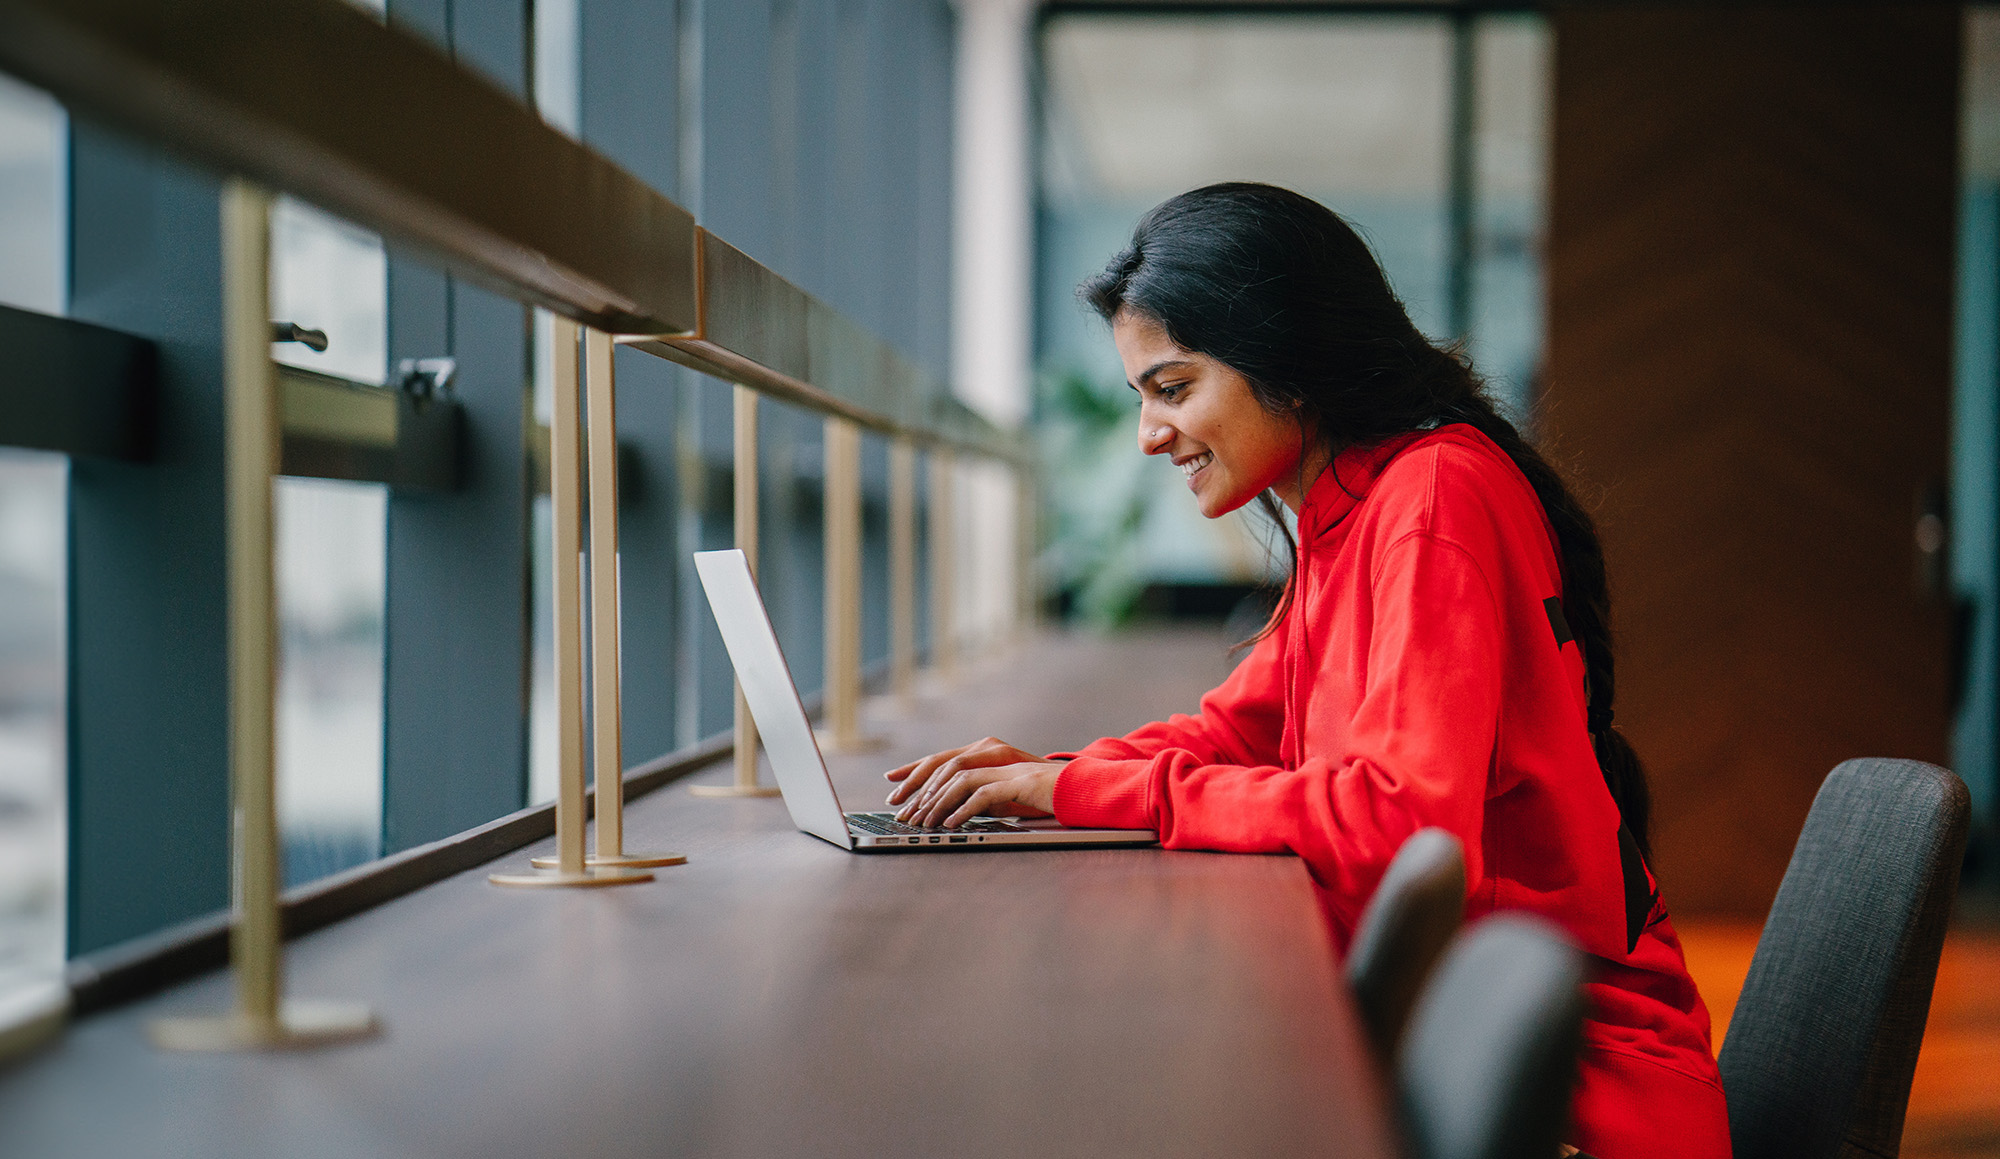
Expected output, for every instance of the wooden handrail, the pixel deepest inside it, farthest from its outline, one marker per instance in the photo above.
(757, 329)
(317, 99)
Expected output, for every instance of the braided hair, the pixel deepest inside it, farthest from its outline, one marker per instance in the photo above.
(1282, 290)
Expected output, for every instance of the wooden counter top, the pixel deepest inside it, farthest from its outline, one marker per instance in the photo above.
(777, 996)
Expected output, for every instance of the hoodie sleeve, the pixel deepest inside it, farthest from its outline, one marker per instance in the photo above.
(1418, 750)
(1241, 721)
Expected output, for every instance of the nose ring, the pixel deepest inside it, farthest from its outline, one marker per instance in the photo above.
(1159, 434)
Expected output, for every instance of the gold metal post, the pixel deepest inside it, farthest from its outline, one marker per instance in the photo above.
(1027, 551)
(745, 784)
(263, 1019)
(566, 517)
(903, 569)
(843, 590)
(607, 745)
(944, 565)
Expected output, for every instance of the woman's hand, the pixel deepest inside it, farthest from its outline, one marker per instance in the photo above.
(989, 777)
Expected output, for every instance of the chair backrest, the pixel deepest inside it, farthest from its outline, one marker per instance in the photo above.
(1403, 933)
(1824, 1039)
(1487, 1069)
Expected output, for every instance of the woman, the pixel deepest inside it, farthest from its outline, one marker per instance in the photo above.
(1441, 654)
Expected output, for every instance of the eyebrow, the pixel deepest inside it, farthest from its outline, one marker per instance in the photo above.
(1156, 368)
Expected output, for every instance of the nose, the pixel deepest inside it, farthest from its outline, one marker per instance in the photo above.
(1154, 436)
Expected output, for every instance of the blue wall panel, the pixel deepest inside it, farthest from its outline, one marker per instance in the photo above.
(148, 674)
(457, 616)
(1975, 492)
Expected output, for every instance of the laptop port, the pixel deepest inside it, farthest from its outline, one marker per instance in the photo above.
(958, 841)
(935, 840)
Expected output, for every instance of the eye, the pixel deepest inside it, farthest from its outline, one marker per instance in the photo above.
(1172, 390)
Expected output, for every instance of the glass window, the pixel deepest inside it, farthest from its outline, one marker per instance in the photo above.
(1510, 198)
(332, 546)
(542, 656)
(329, 275)
(331, 555)
(558, 99)
(33, 579)
(1356, 112)
(32, 752)
(33, 155)
(1353, 112)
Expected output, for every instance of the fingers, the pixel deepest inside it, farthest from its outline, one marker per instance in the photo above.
(937, 787)
(983, 799)
(947, 793)
(912, 777)
(948, 785)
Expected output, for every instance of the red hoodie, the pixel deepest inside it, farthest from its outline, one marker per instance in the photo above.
(1422, 678)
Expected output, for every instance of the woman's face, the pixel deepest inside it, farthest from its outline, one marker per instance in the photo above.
(1201, 412)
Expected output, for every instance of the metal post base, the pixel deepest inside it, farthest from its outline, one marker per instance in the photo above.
(627, 860)
(830, 742)
(734, 790)
(588, 879)
(301, 1023)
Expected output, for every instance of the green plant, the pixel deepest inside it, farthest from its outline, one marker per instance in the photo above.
(1097, 492)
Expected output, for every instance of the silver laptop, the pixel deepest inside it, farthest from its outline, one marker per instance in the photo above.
(795, 756)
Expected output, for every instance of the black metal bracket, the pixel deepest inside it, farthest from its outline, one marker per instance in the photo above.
(424, 378)
(76, 388)
(338, 429)
(80, 389)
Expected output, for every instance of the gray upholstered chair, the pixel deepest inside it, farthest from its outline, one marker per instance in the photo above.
(1405, 929)
(1490, 1060)
(1820, 1050)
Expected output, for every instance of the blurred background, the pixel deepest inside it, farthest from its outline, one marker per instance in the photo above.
(1428, 133)
(1748, 306)
(1736, 267)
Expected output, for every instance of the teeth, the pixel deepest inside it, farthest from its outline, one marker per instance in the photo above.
(1195, 464)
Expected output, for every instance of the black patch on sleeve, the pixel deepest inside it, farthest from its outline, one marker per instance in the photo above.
(1558, 623)
(1638, 895)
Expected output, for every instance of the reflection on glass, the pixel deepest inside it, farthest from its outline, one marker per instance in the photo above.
(33, 147)
(331, 276)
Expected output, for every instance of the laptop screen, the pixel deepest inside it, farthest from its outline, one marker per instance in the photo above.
(772, 695)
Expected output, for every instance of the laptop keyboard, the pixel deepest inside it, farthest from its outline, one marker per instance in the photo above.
(886, 825)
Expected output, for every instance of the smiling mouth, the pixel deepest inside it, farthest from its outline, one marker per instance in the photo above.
(1193, 466)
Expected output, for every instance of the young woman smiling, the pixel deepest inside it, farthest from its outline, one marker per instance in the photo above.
(1441, 654)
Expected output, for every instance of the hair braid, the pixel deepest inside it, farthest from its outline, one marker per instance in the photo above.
(1586, 599)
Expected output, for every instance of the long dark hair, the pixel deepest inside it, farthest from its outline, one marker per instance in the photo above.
(1278, 287)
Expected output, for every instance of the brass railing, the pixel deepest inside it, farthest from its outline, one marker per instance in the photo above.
(316, 99)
